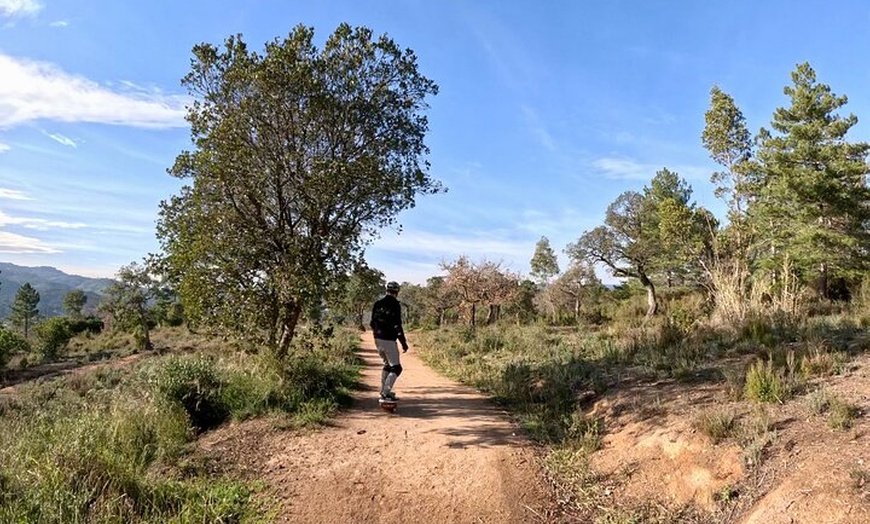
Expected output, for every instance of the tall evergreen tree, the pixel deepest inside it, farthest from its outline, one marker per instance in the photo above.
(24, 312)
(812, 207)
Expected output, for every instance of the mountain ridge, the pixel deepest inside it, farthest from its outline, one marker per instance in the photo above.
(52, 285)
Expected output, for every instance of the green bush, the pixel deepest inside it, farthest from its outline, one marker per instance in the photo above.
(764, 383)
(10, 344)
(53, 335)
(90, 324)
(194, 384)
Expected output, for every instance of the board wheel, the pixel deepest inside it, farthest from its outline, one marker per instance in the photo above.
(388, 406)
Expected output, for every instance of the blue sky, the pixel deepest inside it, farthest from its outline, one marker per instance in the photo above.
(547, 111)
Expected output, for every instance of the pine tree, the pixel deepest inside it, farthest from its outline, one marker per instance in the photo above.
(24, 312)
(812, 206)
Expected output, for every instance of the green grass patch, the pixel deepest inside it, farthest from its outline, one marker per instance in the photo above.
(110, 445)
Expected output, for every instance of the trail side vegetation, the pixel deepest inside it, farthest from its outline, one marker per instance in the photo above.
(767, 304)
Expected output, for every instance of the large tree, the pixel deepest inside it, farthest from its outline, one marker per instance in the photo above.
(812, 208)
(24, 311)
(301, 156)
(657, 232)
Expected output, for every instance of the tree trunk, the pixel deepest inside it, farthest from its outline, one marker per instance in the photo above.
(823, 281)
(288, 328)
(473, 313)
(652, 302)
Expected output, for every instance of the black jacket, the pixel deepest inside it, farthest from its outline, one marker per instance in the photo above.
(387, 319)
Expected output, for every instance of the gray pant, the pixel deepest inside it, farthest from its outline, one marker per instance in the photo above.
(389, 352)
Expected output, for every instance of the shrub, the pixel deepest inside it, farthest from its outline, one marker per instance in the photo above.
(90, 324)
(718, 424)
(766, 384)
(842, 414)
(53, 334)
(194, 384)
(10, 344)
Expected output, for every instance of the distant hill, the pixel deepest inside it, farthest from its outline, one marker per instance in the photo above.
(52, 285)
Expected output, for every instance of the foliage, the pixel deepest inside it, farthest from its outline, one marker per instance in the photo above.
(363, 287)
(11, 343)
(484, 283)
(300, 156)
(24, 311)
(89, 324)
(53, 335)
(74, 302)
(730, 145)
(193, 384)
(91, 453)
(128, 301)
(100, 446)
(811, 206)
(544, 264)
(573, 291)
(764, 383)
(644, 234)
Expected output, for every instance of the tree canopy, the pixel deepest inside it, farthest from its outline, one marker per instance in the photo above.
(301, 155)
(811, 208)
(544, 263)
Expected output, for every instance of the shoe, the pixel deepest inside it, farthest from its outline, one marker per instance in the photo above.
(389, 396)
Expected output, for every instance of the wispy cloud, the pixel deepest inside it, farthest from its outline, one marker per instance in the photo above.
(33, 91)
(14, 243)
(60, 139)
(13, 194)
(39, 224)
(10, 8)
(538, 130)
(451, 246)
(59, 23)
(4, 147)
(629, 169)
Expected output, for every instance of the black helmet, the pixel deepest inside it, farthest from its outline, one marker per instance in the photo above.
(392, 287)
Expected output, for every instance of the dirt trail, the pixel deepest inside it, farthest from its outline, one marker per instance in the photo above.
(447, 455)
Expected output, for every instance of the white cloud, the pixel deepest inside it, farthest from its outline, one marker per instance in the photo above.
(41, 91)
(13, 194)
(63, 140)
(628, 169)
(451, 246)
(10, 8)
(4, 147)
(59, 23)
(13, 243)
(40, 224)
(623, 168)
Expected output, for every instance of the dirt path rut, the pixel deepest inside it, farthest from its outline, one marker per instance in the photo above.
(447, 455)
